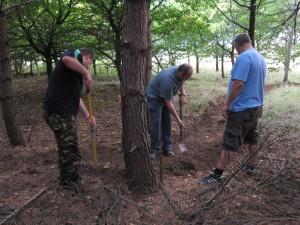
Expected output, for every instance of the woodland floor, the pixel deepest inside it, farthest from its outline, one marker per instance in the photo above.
(270, 197)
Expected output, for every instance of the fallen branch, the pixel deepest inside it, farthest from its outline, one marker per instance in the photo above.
(27, 204)
(124, 199)
(176, 209)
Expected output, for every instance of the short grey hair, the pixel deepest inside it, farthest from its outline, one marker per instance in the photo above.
(242, 39)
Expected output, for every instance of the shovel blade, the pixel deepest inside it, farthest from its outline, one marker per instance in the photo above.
(182, 147)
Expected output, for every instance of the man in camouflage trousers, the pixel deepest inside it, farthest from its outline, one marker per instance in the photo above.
(61, 105)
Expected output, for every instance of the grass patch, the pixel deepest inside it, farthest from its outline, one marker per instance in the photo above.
(202, 89)
(283, 103)
(277, 77)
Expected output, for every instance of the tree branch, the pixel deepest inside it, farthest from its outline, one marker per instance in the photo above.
(9, 9)
(231, 20)
(294, 13)
(241, 5)
(158, 5)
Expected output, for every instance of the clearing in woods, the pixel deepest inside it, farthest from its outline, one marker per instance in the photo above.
(272, 196)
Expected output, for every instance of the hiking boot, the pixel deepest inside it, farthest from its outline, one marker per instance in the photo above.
(211, 179)
(153, 155)
(249, 169)
(169, 153)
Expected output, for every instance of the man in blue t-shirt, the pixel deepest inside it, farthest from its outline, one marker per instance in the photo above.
(242, 107)
(160, 93)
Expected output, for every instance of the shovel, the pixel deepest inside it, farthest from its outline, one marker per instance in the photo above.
(181, 145)
(93, 133)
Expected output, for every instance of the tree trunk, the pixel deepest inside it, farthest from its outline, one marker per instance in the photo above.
(135, 136)
(37, 66)
(118, 51)
(251, 29)
(31, 68)
(197, 64)
(232, 55)
(48, 65)
(287, 58)
(95, 67)
(189, 59)
(7, 104)
(222, 66)
(217, 63)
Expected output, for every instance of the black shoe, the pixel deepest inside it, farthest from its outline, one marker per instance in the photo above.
(153, 155)
(169, 153)
(249, 169)
(211, 179)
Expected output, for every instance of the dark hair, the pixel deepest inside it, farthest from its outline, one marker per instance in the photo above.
(242, 39)
(185, 69)
(86, 51)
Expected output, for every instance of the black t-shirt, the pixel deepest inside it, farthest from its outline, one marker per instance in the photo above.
(64, 88)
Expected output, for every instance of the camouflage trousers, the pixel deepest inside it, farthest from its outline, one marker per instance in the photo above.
(65, 131)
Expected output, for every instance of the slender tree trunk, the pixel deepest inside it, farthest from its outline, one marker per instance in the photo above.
(49, 67)
(232, 55)
(287, 58)
(95, 67)
(251, 29)
(171, 59)
(15, 66)
(197, 64)
(159, 66)
(20, 66)
(135, 138)
(7, 104)
(217, 63)
(118, 50)
(257, 45)
(222, 66)
(189, 59)
(31, 68)
(36, 67)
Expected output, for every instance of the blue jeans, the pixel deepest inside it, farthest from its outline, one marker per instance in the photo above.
(160, 125)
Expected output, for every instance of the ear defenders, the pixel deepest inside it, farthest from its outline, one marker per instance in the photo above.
(77, 54)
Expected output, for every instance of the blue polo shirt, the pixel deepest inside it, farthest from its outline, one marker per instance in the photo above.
(165, 85)
(250, 67)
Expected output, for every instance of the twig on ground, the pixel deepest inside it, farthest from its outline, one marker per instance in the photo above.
(27, 204)
(125, 199)
(175, 208)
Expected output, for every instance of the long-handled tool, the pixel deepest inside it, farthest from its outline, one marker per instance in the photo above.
(93, 133)
(181, 145)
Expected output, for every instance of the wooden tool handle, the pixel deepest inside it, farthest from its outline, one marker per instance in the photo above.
(181, 116)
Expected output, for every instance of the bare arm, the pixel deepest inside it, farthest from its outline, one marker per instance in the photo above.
(90, 118)
(182, 96)
(236, 89)
(172, 109)
(76, 66)
(182, 91)
(83, 109)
